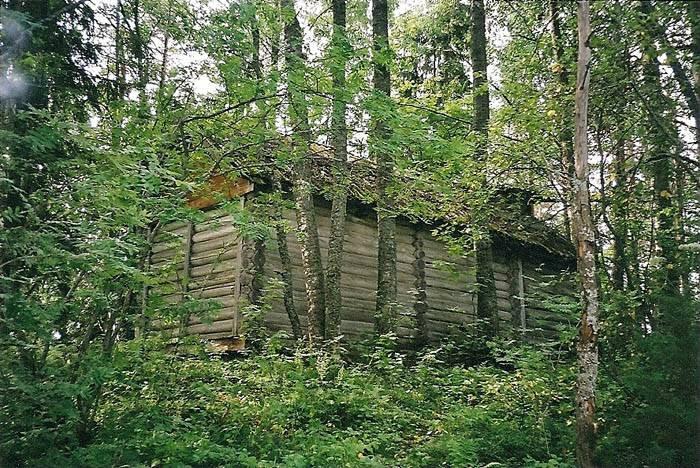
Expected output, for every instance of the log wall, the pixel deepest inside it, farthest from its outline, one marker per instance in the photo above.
(200, 261)
(436, 290)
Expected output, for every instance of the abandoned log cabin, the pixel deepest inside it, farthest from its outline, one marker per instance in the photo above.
(208, 259)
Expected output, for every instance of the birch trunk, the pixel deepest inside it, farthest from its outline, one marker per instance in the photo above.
(582, 224)
(302, 186)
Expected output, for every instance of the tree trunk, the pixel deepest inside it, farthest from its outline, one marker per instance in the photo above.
(566, 140)
(386, 219)
(663, 142)
(302, 186)
(486, 295)
(339, 140)
(286, 261)
(582, 224)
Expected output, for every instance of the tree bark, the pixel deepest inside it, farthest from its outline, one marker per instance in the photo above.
(486, 294)
(302, 186)
(339, 140)
(663, 142)
(386, 219)
(566, 143)
(582, 224)
(286, 261)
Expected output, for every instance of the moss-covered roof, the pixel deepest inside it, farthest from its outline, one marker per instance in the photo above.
(507, 220)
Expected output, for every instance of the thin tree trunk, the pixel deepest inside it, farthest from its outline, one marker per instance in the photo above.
(302, 187)
(286, 274)
(566, 140)
(386, 218)
(486, 295)
(582, 224)
(339, 140)
(663, 141)
(286, 260)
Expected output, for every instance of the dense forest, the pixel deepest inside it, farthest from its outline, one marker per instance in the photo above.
(115, 113)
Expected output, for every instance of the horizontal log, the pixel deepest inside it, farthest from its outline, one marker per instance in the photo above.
(213, 214)
(498, 276)
(215, 233)
(448, 316)
(213, 257)
(502, 286)
(503, 294)
(441, 274)
(449, 296)
(212, 280)
(214, 222)
(221, 243)
(505, 316)
(213, 268)
(354, 326)
(503, 304)
(166, 246)
(170, 275)
(217, 336)
(281, 318)
(215, 316)
(220, 291)
(437, 329)
(214, 327)
(173, 226)
(454, 288)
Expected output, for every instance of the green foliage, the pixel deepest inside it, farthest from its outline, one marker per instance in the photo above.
(309, 408)
(650, 393)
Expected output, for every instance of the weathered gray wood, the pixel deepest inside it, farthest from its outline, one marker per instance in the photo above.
(499, 276)
(504, 316)
(353, 326)
(188, 256)
(220, 243)
(503, 295)
(215, 221)
(214, 256)
(212, 268)
(214, 233)
(215, 279)
(238, 271)
(227, 313)
(502, 285)
(522, 297)
(503, 304)
(456, 298)
(448, 316)
(218, 291)
(214, 327)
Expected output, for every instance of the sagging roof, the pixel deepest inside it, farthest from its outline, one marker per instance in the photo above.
(508, 220)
